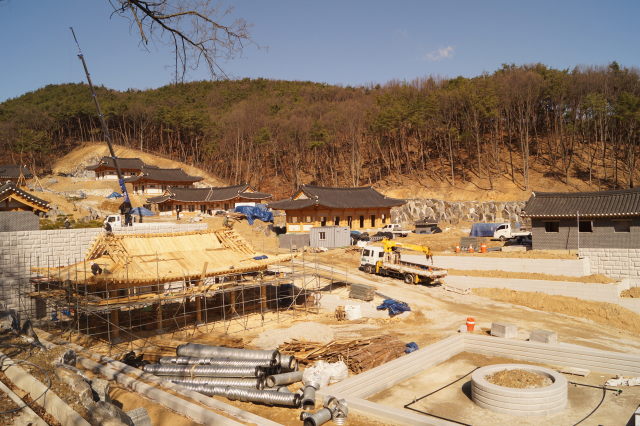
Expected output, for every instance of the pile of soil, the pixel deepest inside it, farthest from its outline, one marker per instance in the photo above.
(632, 292)
(519, 379)
(110, 206)
(600, 312)
(591, 279)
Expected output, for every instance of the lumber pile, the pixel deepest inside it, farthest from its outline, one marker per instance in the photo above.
(360, 355)
(362, 292)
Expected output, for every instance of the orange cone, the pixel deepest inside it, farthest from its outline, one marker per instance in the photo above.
(457, 248)
(470, 248)
(483, 248)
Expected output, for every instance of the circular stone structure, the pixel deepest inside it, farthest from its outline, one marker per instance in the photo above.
(519, 402)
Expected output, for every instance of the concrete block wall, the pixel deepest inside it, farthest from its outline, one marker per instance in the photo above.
(21, 250)
(609, 293)
(615, 263)
(602, 236)
(570, 268)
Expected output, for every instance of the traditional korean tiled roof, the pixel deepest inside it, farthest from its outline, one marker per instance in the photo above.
(337, 198)
(10, 187)
(163, 175)
(208, 195)
(10, 171)
(123, 163)
(621, 202)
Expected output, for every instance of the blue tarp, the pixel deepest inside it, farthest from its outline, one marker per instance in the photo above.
(484, 229)
(114, 195)
(264, 256)
(394, 307)
(141, 211)
(254, 213)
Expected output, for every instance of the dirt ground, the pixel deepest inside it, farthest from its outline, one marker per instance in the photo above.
(594, 279)
(454, 402)
(518, 379)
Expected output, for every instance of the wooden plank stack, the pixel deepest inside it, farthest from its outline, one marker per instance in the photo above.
(359, 355)
(362, 292)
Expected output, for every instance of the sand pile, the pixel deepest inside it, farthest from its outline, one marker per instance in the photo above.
(600, 312)
(308, 331)
(632, 292)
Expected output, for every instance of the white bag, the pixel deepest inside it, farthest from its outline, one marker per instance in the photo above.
(352, 312)
(339, 372)
(318, 373)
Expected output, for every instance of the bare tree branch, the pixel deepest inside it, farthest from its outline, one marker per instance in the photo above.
(194, 29)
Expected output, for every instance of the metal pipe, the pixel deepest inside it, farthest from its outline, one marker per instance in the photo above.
(309, 398)
(253, 383)
(203, 371)
(265, 397)
(195, 350)
(287, 361)
(319, 418)
(284, 379)
(220, 362)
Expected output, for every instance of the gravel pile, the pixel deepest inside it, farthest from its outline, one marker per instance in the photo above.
(309, 331)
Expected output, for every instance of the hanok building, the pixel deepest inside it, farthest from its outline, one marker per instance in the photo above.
(14, 199)
(106, 169)
(597, 220)
(205, 200)
(356, 208)
(12, 173)
(152, 180)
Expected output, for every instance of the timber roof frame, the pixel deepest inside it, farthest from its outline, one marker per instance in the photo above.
(597, 204)
(336, 198)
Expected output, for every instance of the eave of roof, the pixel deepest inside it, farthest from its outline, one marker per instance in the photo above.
(337, 198)
(600, 204)
(11, 187)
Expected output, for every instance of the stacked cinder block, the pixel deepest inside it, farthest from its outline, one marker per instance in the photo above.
(544, 336)
(616, 263)
(504, 329)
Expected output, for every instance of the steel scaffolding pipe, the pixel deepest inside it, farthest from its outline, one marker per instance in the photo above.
(256, 383)
(203, 371)
(195, 350)
(220, 362)
(284, 379)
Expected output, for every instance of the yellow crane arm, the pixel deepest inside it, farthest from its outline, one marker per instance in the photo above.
(388, 247)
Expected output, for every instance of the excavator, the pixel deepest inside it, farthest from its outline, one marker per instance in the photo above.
(388, 261)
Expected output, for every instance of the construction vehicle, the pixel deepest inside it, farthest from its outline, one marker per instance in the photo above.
(387, 261)
(507, 232)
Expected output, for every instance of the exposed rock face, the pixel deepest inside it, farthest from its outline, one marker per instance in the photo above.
(456, 211)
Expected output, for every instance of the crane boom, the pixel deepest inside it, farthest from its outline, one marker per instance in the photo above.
(389, 245)
(125, 194)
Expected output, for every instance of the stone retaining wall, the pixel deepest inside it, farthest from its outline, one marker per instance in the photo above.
(615, 263)
(456, 211)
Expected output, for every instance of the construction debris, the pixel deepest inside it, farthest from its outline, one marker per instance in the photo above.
(360, 355)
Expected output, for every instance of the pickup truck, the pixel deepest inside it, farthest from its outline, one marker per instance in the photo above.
(395, 229)
(506, 232)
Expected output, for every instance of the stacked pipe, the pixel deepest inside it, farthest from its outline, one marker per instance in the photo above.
(237, 374)
(334, 409)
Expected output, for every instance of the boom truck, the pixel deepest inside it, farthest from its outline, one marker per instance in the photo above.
(126, 205)
(387, 261)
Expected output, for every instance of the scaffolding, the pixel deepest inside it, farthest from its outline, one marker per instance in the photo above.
(129, 317)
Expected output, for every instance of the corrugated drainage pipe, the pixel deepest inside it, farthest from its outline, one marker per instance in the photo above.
(220, 362)
(287, 361)
(319, 418)
(309, 398)
(256, 383)
(195, 350)
(284, 379)
(202, 371)
(246, 395)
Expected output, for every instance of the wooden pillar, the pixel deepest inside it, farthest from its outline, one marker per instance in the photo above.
(198, 298)
(159, 312)
(263, 297)
(233, 302)
(115, 318)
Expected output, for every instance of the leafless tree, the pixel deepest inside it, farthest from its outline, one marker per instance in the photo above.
(195, 29)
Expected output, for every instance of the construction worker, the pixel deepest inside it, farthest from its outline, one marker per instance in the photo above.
(107, 227)
(96, 269)
(67, 225)
(227, 222)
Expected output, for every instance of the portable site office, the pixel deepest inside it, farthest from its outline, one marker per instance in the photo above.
(330, 236)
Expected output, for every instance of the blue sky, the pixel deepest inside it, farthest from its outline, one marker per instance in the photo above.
(337, 42)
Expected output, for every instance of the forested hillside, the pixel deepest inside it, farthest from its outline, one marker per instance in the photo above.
(570, 125)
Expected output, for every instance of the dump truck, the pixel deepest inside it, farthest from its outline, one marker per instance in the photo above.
(387, 261)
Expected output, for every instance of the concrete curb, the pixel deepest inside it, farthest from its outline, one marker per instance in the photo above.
(159, 396)
(50, 401)
(520, 402)
(27, 415)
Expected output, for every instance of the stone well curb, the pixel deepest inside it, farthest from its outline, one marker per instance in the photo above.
(50, 401)
(520, 402)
